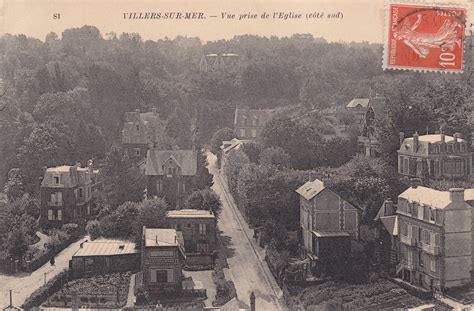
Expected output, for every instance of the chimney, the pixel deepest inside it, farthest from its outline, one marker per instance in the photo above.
(415, 141)
(415, 182)
(443, 138)
(156, 239)
(456, 195)
(252, 302)
(402, 138)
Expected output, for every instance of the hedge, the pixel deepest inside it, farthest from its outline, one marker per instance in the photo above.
(41, 294)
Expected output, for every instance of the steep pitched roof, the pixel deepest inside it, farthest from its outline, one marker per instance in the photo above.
(70, 176)
(310, 189)
(187, 160)
(358, 102)
(141, 128)
(263, 116)
(391, 224)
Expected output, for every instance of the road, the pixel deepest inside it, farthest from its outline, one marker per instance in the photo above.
(247, 269)
(24, 284)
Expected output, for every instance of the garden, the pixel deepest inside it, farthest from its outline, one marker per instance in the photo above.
(380, 295)
(102, 291)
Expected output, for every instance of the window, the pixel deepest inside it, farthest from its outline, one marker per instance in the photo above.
(125, 152)
(435, 149)
(80, 192)
(420, 212)
(404, 229)
(57, 180)
(202, 229)
(450, 148)
(254, 133)
(434, 239)
(57, 198)
(136, 151)
(178, 227)
(242, 132)
(170, 171)
(184, 186)
(159, 276)
(60, 214)
(50, 214)
(409, 231)
(159, 186)
(433, 264)
(420, 259)
(202, 247)
(137, 127)
(433, 214)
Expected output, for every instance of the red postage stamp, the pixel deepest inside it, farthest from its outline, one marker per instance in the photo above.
(424, 37)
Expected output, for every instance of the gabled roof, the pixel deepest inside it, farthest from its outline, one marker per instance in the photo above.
(383, 211)
(106, 248)
(358, 102)
(232, 144)
(141, 128)
(310, 189)
(391, 224)
(186, 159)
(263, 115)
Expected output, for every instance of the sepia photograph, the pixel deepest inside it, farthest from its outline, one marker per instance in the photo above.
(236, 155)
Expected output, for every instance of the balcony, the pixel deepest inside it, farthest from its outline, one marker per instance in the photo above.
(406, 265)
(410, 241)
(430, 249)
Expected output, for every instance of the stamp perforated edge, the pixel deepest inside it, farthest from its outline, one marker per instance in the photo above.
(464, 5)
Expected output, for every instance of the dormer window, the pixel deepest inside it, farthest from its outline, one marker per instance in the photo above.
(57, 180)
(450, 148)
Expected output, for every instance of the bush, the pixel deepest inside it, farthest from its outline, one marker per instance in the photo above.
(93, 229)
(70, 229)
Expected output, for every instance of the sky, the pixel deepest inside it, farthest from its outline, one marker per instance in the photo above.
(362, 20)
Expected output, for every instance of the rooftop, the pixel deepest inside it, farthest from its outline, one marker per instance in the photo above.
(106, 248)
(186, 159)
(262, 115)
(391, 224)
(190, 213)
(330, 234)
(160, 237)
(59, 169)
(358, 102)
(310, 189)
(433, 138)
(429, 196)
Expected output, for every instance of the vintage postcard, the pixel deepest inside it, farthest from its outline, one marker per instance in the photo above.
(258, 155)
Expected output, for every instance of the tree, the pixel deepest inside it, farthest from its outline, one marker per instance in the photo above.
(203, 178)
(16, 243)
(253, 151)
(93, 229)
(275, 156)
(120, 223)
(218, 137)
(14, 188)
(151, 213)
(301, 142)
(205, 199)
(124, 178)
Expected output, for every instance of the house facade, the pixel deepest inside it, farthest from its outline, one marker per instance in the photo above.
(368, 144)
(358, 106)
(66, 195)
(328, 223)
(105, 256)
(436, 238)
(436, 156)
(162, 258)
(249, 123)
(199, 230)
(140, 131)
(171, 174)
